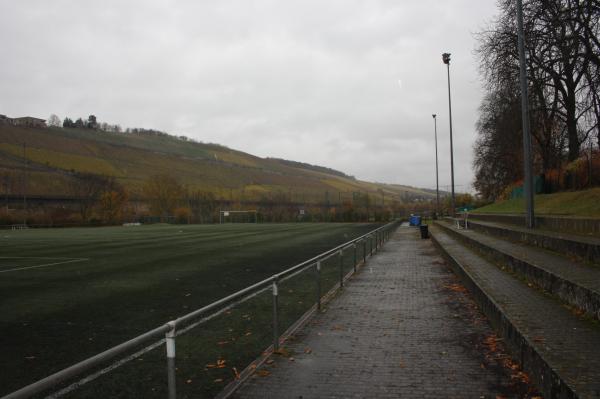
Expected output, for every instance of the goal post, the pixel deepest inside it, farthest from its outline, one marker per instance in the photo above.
(238, 216)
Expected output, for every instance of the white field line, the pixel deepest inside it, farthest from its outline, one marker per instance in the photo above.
(37, 257)
(148, 348)
(71, 260)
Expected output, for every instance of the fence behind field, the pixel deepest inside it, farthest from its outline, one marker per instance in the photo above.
(309, 279)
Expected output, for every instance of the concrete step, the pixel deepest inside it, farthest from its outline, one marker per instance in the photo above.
(576, 283)
(587, 226)
(572, 245)
(559, 349)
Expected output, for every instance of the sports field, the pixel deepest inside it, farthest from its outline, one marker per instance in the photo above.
(70, 293)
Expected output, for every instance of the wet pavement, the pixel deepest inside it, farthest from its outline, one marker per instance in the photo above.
(402, 327)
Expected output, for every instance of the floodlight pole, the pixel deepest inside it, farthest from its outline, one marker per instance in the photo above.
(437, 180)
(528, 163)
(25, 165)
(446, 59)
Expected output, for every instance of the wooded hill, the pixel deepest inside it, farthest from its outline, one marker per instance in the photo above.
(53, 156)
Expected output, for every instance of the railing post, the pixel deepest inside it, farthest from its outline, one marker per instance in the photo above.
(318, 274)
(275, 315)
(371, 243)
(354, 262)
(170, 342)
(341, 268)
(364, 250)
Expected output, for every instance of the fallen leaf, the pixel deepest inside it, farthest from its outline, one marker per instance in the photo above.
(263, 373)
(218, 380)
(455, 287)
(236, 374)
(282, 352)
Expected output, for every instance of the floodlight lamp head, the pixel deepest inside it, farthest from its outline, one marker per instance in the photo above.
(446, 58)
(433, 115)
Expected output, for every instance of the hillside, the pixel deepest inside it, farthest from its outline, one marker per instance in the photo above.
(584, 203)
(52, 155)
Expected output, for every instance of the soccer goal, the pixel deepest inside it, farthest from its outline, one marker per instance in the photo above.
(238, 216)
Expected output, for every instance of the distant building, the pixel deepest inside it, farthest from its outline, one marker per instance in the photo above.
(27, 121)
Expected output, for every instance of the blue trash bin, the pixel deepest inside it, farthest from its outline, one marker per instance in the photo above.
(415, 220)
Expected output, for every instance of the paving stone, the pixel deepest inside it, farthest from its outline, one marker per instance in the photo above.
(398, 329)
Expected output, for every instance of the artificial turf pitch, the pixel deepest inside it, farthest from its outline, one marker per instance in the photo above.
(68, 294)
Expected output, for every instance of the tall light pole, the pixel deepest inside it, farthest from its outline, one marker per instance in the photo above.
(528, 163)
(446, 59)
(437, 180)
(24, 184)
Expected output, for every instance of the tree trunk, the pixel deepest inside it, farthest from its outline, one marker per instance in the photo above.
(571, 111)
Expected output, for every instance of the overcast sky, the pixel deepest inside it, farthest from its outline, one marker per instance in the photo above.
(345, 84)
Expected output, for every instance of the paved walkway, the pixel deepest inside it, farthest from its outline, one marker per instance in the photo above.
(402, 327)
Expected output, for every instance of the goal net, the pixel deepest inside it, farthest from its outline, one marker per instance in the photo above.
(238, 216)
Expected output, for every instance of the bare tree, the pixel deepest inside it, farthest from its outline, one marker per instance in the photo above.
(54, 121)
(163, 193)
(498, 157)
(87, 188)
(561, 40)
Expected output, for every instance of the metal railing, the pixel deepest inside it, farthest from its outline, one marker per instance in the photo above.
(371, 242)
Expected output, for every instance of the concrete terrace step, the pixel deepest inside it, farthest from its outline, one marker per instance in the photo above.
(576, 283)
(559, 350)
(577, 246)
(587, 226)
